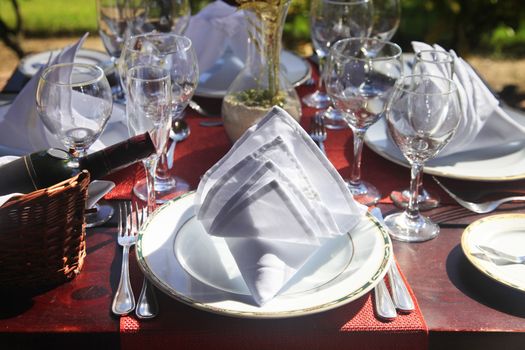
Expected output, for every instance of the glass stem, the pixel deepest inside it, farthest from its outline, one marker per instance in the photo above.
(355, 176)
(150, 165)
(320, 81)
(163, 169)
(416, 171)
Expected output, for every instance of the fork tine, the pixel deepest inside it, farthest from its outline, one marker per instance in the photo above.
(120, 219)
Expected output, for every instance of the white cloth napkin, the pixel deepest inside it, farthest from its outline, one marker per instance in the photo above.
(213, 30)
(484, 123)
(276, 199)
(22, 131)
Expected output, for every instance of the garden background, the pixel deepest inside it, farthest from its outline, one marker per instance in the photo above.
(490, 34)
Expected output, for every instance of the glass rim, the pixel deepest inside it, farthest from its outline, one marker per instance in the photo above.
(92, 67)
(165, 76)
(400, 86)
(448, 55)
(368, 39)
(187, 41)
(351, 2)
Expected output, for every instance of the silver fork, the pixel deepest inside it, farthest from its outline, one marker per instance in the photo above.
(147, 306)
(480, 208)
(318, 131)
(124, 300)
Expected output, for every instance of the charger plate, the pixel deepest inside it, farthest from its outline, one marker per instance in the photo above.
(505, 233)
(503, 163)
(186, 263)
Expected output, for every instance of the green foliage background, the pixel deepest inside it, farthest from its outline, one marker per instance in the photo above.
(492, 27)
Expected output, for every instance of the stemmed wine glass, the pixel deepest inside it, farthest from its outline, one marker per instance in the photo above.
(176, 54)
(386, 18)
(74, 102)
(361, 74)
(331, 20)
(434, 62)
(422, 116)
(165, 16)
(148, 109)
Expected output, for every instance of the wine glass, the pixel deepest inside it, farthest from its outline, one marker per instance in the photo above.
(331, 20)
(165, 16)
(74, 102)
(422, 116)
(361, 73)
(386, 18)
(176, 54)
(148, 109)
(115, 18)
(434, 62)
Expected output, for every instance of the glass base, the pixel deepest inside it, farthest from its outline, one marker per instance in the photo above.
(101, 214)
(165, 189)
(425, 200)
(317, 99)
(333, 119)
(403, 228)
(365, 193)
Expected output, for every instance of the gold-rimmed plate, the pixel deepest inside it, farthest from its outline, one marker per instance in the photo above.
(504, 232)
(186, 263)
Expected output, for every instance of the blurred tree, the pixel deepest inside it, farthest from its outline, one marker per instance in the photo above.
(9, 36)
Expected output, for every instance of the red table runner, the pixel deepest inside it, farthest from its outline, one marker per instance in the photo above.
(352, 326)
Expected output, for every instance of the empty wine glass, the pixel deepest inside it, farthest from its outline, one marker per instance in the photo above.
(331, 20)
(165, 16)
(148, 110)
(433, 62)
(386, 18)
(422, 116)
(174, 53)
(361, 74)
(115, 19)
(74, 102)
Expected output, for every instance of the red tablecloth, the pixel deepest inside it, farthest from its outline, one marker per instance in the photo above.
(351, 326)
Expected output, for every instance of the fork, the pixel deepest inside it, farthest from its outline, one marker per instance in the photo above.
(147, 306)
(318, 132)
(124, 300)
(480, 208)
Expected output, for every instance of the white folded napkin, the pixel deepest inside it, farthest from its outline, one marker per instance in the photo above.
(214, 29)
(22, 131)
(484, 123)
(276, 199)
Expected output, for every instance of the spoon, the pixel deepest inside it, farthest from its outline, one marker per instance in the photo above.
(179, 132)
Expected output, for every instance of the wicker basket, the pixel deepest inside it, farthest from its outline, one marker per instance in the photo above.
(42, 237)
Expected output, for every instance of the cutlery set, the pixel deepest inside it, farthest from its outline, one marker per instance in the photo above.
(130, 220)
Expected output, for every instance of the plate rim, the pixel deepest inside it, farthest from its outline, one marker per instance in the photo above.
(475, 261)
(428, 169)
(220, 94)
(329, 305)
(82, 51)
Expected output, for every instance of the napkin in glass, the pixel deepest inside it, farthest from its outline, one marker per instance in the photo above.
(484, 123)
(276, 199)
(22, 131)
(215, 29)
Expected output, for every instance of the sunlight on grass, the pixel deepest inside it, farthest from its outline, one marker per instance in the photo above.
(56, 17)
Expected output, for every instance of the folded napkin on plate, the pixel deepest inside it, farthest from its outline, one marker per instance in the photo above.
(276, 199)
(215, 28)
(96, 189)
(484, 123)
(22, 131)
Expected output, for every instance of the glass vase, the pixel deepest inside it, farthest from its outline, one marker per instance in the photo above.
(260, 85)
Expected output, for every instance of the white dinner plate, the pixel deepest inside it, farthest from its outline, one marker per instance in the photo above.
(186, 263)
(503, 163)
(215, 81)
(506, 233)
(30, 64)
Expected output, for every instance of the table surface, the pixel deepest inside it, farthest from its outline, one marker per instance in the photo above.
(462, 307)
